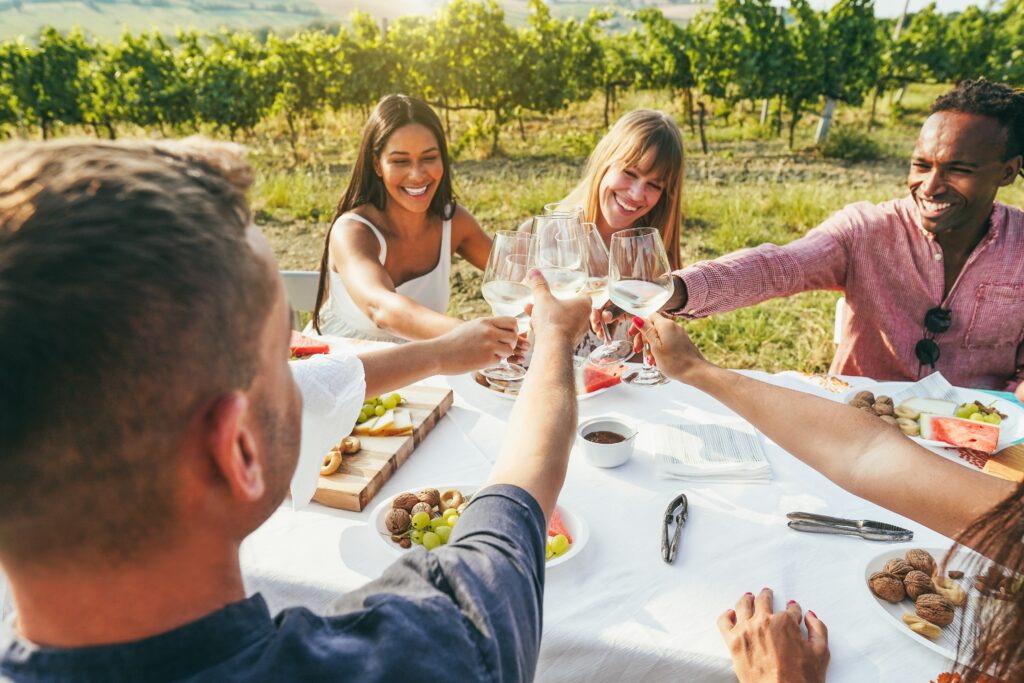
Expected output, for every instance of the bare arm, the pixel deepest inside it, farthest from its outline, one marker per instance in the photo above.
(542, 425)
(470, 346)
(470, 240)
(356, 256)
(853, 449)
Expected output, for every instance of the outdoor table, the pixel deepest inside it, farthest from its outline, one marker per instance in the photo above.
(616, 611)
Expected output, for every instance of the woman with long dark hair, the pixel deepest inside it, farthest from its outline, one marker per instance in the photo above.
(387, 256)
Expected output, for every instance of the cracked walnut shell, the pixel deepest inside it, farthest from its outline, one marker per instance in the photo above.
(886, 586)
(430, 496)
(935, 609)
(397, 521)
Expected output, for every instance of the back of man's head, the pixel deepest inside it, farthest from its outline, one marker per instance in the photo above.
(129, 296)
(994, 100)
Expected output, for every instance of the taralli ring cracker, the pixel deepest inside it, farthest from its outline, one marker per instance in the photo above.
(331, 463)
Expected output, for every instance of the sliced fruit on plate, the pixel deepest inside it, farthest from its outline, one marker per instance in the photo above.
(955, 431)
(557, 526)
(302, 346)
(596, 377)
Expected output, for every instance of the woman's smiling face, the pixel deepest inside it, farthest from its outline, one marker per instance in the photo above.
(628, 193)
(410, 166)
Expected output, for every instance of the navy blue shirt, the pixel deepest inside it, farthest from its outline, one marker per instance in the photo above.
(468, 611)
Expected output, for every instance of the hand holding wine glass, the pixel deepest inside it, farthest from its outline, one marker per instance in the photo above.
(611, 352)
(505, 289)
(640, 282)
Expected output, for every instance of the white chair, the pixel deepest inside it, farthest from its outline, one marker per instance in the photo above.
(837, 333)
(300, 289)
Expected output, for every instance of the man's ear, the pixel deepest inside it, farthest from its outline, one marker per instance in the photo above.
(233, 446)
(1011, 170)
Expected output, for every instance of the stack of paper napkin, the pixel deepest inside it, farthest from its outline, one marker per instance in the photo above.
(716, 452)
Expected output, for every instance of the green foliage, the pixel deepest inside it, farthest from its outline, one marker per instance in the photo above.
(924, 50)
(851, 51)
(850, 144)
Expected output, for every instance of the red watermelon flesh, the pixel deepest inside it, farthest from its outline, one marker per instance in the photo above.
(596, 377)
(557, 526)
(301, 345)
(979, 436)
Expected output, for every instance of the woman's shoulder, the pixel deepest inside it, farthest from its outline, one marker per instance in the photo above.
(358, 228)
(463, 221)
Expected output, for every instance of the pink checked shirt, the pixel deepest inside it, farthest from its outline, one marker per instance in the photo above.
(891, 272)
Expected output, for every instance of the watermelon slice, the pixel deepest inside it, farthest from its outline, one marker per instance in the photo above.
(557, 526)
(955, 431)
(597, 377)
(303, 346)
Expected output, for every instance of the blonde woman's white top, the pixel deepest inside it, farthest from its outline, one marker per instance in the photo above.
(340, 316)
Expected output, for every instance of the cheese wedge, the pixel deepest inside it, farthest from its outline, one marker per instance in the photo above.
(384, 424)
(365, 428)
(403, 422)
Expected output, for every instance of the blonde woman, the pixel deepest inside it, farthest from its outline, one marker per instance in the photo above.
(634, 178)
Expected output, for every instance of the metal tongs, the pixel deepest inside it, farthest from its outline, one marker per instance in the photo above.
(865, 528)
(675, 514)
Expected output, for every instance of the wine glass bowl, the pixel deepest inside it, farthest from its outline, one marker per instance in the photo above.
(640, 283)
(559, 252)
(504, 288)
(611, 352)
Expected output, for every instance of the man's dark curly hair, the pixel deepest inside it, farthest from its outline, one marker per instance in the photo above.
(995, 100)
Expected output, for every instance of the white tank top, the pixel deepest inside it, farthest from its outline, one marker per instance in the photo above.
(340, 316)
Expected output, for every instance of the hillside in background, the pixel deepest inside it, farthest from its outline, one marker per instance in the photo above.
(108, 18)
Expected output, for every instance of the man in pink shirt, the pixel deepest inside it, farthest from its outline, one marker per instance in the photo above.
(933, 281)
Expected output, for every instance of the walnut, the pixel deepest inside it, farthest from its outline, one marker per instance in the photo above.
(405, 542)
(921, 560)
(397, 521)
(857, 403)
(917, 584)
(883, 399)
(422, 507)
(886, 586)
(350, 445)
(865, 396)
(451, 499)
(431, 496)
(882, 408)
(935, 609)
(405, 501)
(950, 590)
(922, 626)
(955, 574)
(897, 567)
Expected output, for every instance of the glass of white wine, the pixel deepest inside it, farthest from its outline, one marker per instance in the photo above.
(505, 289)
(559, 208)
(640, 282)
(559, 252)
(611, 352)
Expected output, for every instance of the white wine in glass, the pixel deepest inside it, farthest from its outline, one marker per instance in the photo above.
(559, 252)
(505, 289)
(640, 282)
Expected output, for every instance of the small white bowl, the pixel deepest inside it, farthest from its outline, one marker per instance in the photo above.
(607, 454)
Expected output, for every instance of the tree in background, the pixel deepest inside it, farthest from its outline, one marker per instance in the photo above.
(664, 56)
(1007, 61)
(803, 70)
(972, 34)
(850, 57)
(51, 78)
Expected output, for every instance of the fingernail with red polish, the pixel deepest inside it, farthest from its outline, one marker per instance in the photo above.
(811, 612)
(791, 602)
(748, 593)
(638, 321)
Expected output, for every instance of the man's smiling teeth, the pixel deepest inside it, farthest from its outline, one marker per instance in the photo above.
(624, 205)
(934, 207)
(416, 191)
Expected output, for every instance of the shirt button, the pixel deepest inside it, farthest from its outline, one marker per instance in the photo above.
(937, 256)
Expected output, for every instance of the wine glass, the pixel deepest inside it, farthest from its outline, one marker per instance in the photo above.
(505, 289)
(611, 352)
(640, 282)
(559, 252)
(560, 208)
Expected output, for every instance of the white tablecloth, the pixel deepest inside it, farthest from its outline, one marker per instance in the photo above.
(616, 612)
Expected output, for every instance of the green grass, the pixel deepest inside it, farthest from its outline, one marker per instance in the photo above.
(750, 189)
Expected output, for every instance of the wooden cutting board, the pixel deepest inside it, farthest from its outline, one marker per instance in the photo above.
(363, 474)
(1007, 463)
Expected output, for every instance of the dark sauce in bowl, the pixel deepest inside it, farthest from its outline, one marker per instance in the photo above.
(604, 437)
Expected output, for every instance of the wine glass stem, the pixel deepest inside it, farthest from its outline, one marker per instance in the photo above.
(604, 328)
(647, 367)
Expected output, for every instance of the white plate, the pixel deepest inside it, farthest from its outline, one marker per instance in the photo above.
(573, 522)
(512, 397)
(964, 560)
(1010, 430)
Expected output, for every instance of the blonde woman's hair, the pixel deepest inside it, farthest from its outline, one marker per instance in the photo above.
(628, 142)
